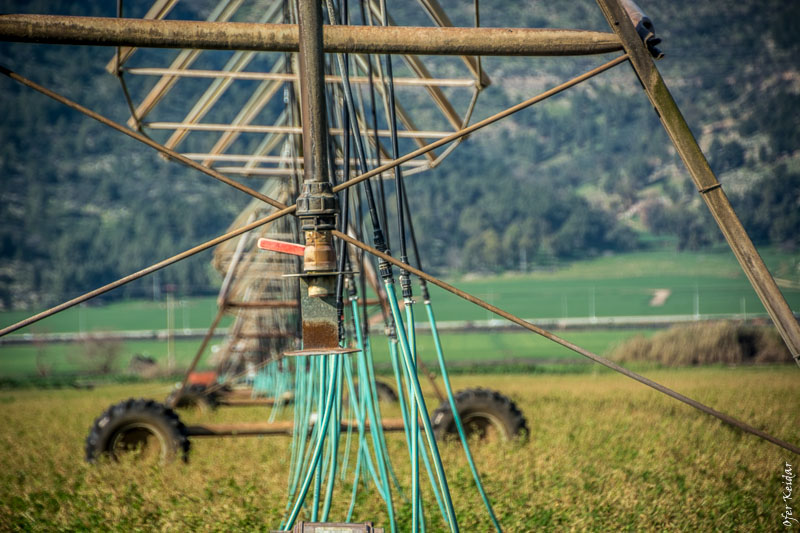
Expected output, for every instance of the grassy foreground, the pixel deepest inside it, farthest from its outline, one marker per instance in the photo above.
(605, 454)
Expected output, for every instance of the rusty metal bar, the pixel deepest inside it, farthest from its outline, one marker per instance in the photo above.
(250, 429)
(145, 271)
(246, 402)
(312, 91)
(417, 66)
(575, 348)
(222, 13)
(246, 158)
(286, 304)
(139, 137)
(440, 17)
(283, 210)
(703, 177)
(242, 128)
(282, 76)
(267, 335)
(173, 399)
(99, 31)
(158, 10)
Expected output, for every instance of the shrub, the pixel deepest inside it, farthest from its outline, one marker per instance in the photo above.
(706, 343)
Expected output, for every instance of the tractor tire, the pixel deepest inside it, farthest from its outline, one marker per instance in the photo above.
(146, 427)
(386, 392)
(194, 397)
(485, 413)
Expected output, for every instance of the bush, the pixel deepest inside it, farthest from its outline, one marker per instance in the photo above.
(706, 343)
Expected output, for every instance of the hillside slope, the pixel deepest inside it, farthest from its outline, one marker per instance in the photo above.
(588, 172)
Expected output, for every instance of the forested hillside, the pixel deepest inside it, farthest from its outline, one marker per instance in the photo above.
(588, 172)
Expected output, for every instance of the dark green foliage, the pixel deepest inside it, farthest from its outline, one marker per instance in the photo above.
(572, 177)
(771, 211)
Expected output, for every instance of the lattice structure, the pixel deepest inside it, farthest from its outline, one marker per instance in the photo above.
(321, 411)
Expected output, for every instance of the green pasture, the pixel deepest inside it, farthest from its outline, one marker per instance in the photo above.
(623, 285)
(130, 315)
(604, 454)
(618, 285)
(21, 360)
(706, 283)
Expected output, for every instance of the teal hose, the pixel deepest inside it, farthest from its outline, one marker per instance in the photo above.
(422, 408)
(381, 434)
(320, 406)
(415, 494)
(349, 415)
(302, 415)
(373, 420)
(335, 430)
(318, 446)
(407, 427)
(362, 442)
(457, 418)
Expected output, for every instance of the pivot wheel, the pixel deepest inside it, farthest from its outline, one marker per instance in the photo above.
(193, 397)
(146, 428)
(484, 412)
(385, 392)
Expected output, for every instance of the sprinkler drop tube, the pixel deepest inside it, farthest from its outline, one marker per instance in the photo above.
(456, 416)
(421, 407)
(329, 401)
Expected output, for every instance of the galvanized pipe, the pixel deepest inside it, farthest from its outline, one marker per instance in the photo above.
(703, 177)
(193, 34)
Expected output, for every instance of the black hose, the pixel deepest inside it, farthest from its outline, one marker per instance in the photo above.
(378, 236)
(405, 281)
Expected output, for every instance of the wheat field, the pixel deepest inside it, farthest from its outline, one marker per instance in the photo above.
(604, 453)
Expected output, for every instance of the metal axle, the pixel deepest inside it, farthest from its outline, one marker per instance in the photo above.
(250, 429)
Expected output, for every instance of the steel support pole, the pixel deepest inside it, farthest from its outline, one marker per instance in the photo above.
(703, 177)
(194, 34)
(312, 91)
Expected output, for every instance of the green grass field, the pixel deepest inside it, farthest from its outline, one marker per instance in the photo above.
(605, 454)
(20, 360)
(621, 285)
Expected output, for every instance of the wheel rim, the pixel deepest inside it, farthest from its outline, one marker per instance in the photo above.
(144, 440)
(486, 426)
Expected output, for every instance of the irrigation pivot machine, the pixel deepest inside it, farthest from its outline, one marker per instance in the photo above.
(340, 108)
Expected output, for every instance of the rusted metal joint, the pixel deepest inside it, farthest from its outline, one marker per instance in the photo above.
(317, 207)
